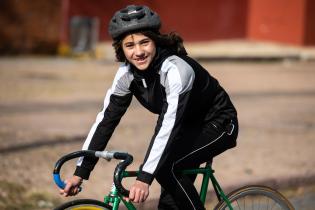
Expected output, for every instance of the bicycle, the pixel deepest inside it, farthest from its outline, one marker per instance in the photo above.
(247, 197)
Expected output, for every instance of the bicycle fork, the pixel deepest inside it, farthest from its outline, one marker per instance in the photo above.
(114, 199)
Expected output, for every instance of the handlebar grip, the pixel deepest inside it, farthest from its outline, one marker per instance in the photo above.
(56, 173)
(61, 184)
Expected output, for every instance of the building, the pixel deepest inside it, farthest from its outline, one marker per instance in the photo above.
(79, 24)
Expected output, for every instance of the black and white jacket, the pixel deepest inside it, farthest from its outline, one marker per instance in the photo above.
(178, 89)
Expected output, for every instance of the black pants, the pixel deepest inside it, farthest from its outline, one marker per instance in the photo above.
(178, 191)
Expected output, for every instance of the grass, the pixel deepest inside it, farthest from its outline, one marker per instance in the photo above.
(16, 197)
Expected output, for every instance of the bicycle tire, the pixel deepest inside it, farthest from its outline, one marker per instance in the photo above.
(249, 197)
(84, 204)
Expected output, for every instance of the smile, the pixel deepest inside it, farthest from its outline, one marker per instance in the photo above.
(141, 60)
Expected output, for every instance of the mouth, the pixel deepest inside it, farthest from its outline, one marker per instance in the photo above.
(141, 60)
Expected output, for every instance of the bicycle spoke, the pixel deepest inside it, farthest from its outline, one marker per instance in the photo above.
(255, 202)
(238, 205)
(273, 206)
(245, 203)
(269, 204)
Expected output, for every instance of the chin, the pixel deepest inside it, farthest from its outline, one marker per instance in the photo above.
(142, 68)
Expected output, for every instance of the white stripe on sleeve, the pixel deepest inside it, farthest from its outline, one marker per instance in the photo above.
(160, 141)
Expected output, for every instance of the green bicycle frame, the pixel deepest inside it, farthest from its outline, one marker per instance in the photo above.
(115, 198)
(208, 173)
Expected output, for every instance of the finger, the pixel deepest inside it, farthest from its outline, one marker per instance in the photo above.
(143, 196)
(74, 191)
(71, 192)
(146, 195)
(67, 187)
(137, 196)
(61, 192)
(77, 190)
(65, 194)
(131, 194)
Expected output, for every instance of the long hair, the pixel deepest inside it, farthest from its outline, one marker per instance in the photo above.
(171, 41)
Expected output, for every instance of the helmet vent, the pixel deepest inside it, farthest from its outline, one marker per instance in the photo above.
(133, 18)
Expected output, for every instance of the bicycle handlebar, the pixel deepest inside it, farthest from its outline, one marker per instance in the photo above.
(108, 155)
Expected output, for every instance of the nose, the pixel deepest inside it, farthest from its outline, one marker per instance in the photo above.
(138, 50)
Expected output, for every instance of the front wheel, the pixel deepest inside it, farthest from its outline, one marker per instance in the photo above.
(84, 204)
(256, 197)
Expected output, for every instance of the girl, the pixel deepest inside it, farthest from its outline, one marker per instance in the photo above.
(196, 122)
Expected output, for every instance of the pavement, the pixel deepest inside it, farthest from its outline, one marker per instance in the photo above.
(250, 50)
(238, 50)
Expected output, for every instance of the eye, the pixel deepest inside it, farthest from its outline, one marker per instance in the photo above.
(129, 45)
(145, 42)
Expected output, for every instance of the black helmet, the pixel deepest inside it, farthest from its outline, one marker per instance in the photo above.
(133, 18)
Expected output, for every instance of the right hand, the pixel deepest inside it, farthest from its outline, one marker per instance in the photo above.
(139, 192)
(72, 186)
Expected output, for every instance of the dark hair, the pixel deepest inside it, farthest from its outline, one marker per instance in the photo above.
(172, 41)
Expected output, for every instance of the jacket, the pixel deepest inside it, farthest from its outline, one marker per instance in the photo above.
(177, 88)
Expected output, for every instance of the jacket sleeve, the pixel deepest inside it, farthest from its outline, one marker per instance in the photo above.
(178, 84)
(116, 102)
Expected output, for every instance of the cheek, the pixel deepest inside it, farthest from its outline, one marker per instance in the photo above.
(153, 50)
(127, 53)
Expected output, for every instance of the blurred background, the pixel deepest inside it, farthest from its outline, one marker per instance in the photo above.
(56, 63)
(60, 26)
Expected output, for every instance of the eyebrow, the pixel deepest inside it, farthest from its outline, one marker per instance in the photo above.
(133, 42)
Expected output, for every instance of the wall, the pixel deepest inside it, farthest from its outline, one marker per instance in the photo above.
(29, 26)
(194, 20)
(280, 20)
(37, 26)
(205, 19)
(310, 23)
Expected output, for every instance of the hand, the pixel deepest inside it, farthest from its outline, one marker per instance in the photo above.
(72, 186)
(139, 192)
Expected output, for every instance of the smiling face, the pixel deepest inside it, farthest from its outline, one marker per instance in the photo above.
(139, 50)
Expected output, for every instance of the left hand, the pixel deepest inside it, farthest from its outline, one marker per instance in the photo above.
(72, 186)
(139, 192)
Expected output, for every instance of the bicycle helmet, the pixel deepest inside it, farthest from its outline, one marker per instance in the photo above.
(133, 18)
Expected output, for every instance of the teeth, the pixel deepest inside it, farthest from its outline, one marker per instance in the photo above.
(141, 59)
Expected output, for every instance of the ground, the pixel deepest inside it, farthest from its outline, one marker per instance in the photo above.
(47, 106)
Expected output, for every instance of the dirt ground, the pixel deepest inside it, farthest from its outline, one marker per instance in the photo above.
(47, 106)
